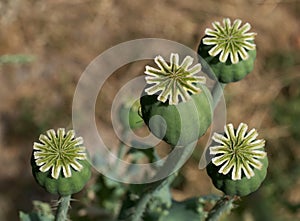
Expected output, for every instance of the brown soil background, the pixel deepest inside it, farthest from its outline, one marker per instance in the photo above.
(65, 36)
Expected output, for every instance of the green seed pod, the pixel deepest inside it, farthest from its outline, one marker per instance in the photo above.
(226, 72)
(239, 165)
(241, 187)
(181, 124)
(177, 106)
(129, 116)
(59, 163)
(229, 51)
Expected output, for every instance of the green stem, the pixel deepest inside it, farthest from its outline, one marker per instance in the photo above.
(173, 162)
(223, 206)
(63, 206)
(140, 208)
(146, 197)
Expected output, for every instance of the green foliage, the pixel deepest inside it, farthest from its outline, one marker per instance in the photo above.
(41, 212)
(159, 204)
(192, 209)
(110, 193)
(181, 211)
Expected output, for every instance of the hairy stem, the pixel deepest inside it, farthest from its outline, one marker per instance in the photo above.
(164, 177)
(147, 195)
(223, 206)
(63, 206)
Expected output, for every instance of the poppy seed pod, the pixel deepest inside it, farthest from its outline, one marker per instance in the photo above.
(229, 51)
(182, 111)
(59, 162)
(239, 163)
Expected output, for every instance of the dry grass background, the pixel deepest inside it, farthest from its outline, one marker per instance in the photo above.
(64, 36)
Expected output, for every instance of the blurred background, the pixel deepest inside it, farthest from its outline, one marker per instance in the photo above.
(46, 45)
